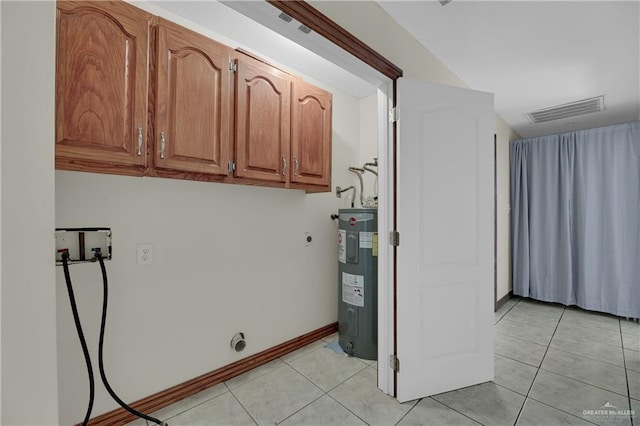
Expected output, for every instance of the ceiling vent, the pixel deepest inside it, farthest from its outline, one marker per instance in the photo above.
(304, 29)
(572, 109)
(286, 18)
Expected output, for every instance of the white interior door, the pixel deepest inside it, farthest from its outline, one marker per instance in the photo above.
(445, 257)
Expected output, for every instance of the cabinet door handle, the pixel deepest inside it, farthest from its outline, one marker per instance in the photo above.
(284, 165)
(163, 144)
(139, 141)
(296, 166)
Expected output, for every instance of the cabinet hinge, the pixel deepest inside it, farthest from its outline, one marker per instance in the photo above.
(232, 166)
(394, 238)
(394, 363)
(233, 67)
(393, 115)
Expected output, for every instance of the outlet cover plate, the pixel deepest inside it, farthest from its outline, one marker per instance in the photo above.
(144, 254)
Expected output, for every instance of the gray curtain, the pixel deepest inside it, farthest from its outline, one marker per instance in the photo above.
(575, 218)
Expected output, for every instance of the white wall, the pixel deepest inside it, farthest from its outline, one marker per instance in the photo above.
(417, 62)
(29, 378)
(227, 258)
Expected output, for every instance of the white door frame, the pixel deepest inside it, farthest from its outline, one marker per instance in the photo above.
(386, 269)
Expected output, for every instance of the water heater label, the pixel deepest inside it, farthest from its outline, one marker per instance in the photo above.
(374, 249)
(366, 239)
(342, 246)
(353, 289)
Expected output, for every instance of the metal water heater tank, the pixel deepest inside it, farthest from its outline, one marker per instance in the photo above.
(358, 282)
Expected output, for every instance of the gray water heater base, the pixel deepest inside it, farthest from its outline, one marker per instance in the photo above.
(358, 282)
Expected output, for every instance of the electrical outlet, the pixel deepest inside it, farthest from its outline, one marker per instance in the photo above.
(145, 254)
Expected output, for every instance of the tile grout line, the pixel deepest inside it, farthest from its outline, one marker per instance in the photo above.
(587, 357)
(628, 395)
(544, 403)
(539, 368)
(559, 409)
(594, 360)
(441, 403)
(357, 372)
(410, 410)
(584, 383)
(509, 389)
(324, 393)
(242, 405)
(301, 408)
(166, 420)
(508, 310)
(258, 376)
(516, 360)
(407, 413)
(526, 340)
(520, 338)
(295, 371)
(347, 408)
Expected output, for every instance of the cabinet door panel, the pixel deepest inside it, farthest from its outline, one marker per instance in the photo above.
(263, 121)
(193, 116)
(311, 135)
(102, 80)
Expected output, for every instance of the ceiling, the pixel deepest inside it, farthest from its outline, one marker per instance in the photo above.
(255, 27)
(531, 54)
(534, 55)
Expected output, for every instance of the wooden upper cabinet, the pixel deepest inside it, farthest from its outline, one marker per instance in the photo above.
(263, 117)
(102, 83)
(120, 101)
(193, 111)
(311, 135)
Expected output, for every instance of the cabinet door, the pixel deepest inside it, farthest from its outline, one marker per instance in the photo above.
(101, 84)
(262, 121)
(311, 135)
(193, 103)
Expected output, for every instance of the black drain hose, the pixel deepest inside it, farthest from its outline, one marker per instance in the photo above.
(83, 342)
(123, 404)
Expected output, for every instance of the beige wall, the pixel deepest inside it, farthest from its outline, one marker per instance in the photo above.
(29, 374)
(367, 21)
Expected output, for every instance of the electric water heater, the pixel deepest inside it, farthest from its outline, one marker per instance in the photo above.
(358, 282)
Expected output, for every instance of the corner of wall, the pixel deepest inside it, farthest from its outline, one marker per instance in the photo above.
(505, 135)
(29, 360)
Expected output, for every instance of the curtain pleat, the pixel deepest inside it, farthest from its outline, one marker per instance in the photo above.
(575, 201)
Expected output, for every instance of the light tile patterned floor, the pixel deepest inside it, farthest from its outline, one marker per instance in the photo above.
(552, 365)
